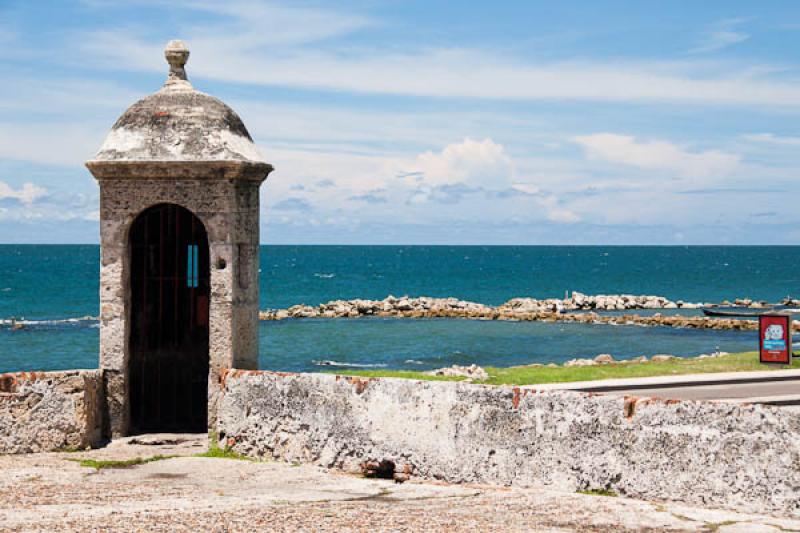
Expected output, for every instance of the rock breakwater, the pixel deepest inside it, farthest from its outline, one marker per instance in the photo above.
(474, 372)
(577, 308)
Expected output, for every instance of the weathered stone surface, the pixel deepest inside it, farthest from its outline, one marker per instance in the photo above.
(54, 493)
(747, 457)
(44, 411)
(233, 311)
(182, 147)
(177, 124)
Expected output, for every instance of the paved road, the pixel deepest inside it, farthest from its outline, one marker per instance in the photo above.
(771, 387)
(779, 393)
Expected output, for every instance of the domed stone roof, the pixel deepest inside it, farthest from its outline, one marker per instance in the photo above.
(173, 131)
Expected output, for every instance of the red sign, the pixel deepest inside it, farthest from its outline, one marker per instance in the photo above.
(775, 339)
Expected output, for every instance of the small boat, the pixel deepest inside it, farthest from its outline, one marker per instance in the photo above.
(736, 313)
(746, 312)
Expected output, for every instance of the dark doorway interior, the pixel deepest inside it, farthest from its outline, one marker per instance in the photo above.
(169, 321)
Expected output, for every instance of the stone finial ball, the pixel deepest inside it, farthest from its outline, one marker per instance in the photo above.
(177, 53)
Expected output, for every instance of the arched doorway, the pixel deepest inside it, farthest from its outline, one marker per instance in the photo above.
(169, 294)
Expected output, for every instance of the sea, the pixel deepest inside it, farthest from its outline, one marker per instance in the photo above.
(53, 291)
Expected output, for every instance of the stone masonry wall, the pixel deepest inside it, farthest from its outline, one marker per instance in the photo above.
(741, 456)
(229, 210)
(44, 411)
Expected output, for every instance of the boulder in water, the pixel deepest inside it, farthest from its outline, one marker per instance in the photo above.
(604, 358)
(472, 371)
(660, 358)
(579, 362)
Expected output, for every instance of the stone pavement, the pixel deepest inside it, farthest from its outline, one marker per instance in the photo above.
(53, 492)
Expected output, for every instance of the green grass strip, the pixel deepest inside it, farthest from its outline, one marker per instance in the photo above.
(216, 452)
(534, 375)
(100, 464)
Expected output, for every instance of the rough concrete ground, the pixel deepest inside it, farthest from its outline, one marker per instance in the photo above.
(53, 492)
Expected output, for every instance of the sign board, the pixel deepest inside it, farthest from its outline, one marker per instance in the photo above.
(775, 338)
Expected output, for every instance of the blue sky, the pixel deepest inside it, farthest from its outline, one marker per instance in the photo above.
(432, 122)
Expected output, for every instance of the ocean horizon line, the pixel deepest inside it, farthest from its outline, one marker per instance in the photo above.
(341, 245)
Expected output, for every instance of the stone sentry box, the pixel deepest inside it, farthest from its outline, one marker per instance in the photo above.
(176, 158)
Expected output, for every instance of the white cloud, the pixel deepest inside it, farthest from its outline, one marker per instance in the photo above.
(656, 155)
(438, 72)
(556, 212)
(246, 24)
(329, 172)
(722, 35)
(469, 173)
(354, 128)
(461, 179)
(241, 31)
(259, 24)
(769, 138)
(475, 163)
(27, 194)
(55, 95)
(474, 74)
(526, 188)
(562, 215)
(59, 143)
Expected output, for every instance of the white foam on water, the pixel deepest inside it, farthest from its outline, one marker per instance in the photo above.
(55, 321)
(350, 365)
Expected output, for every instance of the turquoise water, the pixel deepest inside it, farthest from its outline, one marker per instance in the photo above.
(53, 283)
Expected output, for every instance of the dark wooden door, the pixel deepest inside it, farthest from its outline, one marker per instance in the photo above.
(169, 321)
